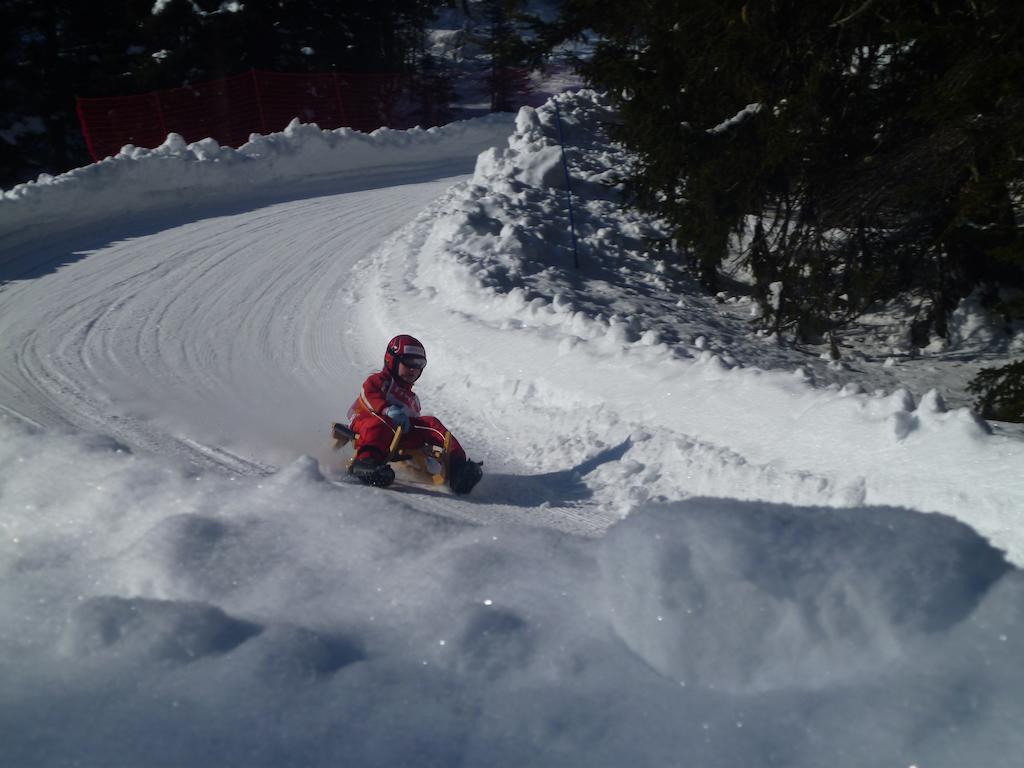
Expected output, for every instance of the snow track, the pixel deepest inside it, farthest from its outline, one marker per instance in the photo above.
(228, 331)
(228, 335)
(229, 341)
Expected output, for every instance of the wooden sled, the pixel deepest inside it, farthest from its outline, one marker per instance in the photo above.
(429, 461)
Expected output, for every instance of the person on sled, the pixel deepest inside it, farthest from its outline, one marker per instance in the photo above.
(387, 402)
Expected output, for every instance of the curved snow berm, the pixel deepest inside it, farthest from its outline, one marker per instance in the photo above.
(177, 174)
(604, 359)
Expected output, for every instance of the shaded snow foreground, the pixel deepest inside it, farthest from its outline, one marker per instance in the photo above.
(154, 617)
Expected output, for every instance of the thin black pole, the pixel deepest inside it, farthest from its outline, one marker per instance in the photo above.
(568, 188)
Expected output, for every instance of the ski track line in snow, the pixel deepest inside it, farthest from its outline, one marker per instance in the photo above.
(209, 315)
(211, 341)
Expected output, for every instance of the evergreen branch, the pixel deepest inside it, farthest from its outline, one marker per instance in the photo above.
(864, 8)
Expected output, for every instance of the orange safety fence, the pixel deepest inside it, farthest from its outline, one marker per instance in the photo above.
(232, 108)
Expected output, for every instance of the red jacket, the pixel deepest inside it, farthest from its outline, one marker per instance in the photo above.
(381, 390)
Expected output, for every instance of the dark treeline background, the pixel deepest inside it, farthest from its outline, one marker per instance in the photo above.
(862, 149)
(55, 50)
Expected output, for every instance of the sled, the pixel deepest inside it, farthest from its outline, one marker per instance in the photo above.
(428, 462)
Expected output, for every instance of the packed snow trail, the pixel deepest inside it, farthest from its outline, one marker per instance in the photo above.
(185, 299)
(232, 337)
(223, 330)
(229, 337)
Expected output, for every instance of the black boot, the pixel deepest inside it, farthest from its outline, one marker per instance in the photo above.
(373, 472)
(465, 474)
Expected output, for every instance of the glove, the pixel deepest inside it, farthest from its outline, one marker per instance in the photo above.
(398, 416)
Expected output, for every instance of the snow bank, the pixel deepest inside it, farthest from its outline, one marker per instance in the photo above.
(150, 616)
(177, 174)
(628, 351)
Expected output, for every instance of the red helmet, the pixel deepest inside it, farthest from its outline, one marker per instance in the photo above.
(404, 349)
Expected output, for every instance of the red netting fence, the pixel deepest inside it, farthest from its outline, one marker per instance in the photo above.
(230, 109)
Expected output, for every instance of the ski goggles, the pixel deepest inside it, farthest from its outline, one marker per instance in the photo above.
(418, 363)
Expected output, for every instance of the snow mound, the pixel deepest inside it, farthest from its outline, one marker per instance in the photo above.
(189, 555)
(753, 599)
(727, 631)
(157, 630)
(178, 174)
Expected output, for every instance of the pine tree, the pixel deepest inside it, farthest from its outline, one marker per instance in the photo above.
(1000, 392)
(507, 54)
(858, 149)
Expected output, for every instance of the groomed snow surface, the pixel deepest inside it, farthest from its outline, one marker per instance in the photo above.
(691, 546)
